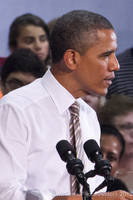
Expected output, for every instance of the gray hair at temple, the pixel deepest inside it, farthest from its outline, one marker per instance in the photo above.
(77, 30)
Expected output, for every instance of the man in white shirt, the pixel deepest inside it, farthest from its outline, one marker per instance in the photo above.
(83, 46)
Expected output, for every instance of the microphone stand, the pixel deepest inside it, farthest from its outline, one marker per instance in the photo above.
(99, 167)
(75, 167)
(86, 195)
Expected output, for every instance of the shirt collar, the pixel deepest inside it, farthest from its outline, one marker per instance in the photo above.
(61, 97)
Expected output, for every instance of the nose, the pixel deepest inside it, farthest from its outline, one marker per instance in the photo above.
(114, 64)
(104, 155)
(37, 45)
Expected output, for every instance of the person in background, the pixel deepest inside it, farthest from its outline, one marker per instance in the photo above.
(123, 81)
(94, 101)
(51, 24)
(2, 60)
(19, 69)
(1, 95)
(112, 145)
(36, 117)
(118, 112)
(30, 31)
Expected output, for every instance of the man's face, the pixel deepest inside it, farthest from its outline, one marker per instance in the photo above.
(95, 69)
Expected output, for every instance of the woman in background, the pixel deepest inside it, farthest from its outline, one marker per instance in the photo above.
(113, 146)
(30, 31)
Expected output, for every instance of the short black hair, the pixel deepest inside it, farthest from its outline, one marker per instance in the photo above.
(111, 130)
(76, 30)
(22, 60)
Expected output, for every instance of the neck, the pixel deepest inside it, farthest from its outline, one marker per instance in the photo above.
(67, 79)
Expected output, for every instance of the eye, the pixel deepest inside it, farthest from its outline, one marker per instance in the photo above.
(43, 38)
(106, 54)
(14, 83)
(112, 158)
(28, 40)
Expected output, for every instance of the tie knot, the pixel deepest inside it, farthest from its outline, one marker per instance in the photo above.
(74, 109)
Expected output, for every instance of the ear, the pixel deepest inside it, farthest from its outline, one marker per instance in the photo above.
(69, 59)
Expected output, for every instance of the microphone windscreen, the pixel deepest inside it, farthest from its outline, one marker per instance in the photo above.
(64, 147)
(91, 146)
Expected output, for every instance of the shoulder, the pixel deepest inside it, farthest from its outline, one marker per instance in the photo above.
(24, 96)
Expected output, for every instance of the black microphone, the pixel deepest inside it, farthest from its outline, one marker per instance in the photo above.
(74, 165)
(68, 155)
(94, 153)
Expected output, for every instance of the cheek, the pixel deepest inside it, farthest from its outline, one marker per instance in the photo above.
(126, 136)
(98, 71)
(23, 46)
(46, 47)
(114, 167)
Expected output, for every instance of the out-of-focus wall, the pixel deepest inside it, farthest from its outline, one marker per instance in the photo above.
(119, 12)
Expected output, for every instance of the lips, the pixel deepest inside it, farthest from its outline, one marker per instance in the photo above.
(108, 80)
(40, 54)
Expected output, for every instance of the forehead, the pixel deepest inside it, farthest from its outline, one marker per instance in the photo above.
(107, 37)
(124, 118)
(31, 30)
(21, 75)
(106, 40)
(110, 141)
(107, 33)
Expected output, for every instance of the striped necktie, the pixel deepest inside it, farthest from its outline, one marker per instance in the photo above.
(75, 140)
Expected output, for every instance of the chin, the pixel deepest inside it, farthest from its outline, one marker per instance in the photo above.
(102, 93)
(40, 58)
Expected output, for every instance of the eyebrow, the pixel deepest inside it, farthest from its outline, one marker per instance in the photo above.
(112, 153)
(34, 36)
(27, 37)
(107, 53)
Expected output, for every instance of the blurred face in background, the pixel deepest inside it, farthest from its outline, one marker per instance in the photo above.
(124, 123)
(111, 149)
(34, 38)
(92, 101)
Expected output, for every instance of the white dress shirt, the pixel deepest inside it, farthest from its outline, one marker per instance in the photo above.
(33, 119)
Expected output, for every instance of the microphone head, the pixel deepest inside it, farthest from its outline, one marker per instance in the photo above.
(91, 147)
(63, 147)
